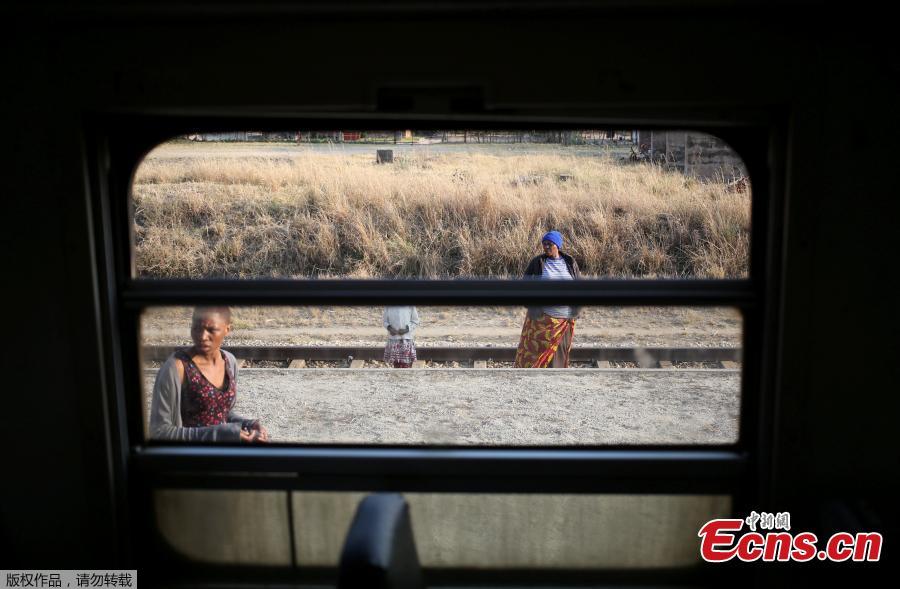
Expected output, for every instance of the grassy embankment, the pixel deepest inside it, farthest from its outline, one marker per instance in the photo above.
(444, 215)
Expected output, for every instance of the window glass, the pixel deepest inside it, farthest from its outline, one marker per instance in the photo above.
(444, 375)
(451, 530)
(226, 527)
(440, 204)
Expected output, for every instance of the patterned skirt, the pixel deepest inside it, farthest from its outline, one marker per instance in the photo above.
(400, 351)
(542, 340)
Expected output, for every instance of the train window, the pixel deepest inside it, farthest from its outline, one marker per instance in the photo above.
(440, 204)
(655, 265)
(334, 374)
(455, 531)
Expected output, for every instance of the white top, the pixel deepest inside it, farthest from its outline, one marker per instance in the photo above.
(556, 269)
(400, 317)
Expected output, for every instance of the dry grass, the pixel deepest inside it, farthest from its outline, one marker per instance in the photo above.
(437, 215)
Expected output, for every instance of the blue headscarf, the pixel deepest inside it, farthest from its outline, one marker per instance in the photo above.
(554, 236)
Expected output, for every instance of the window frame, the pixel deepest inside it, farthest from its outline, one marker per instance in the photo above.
(116, 145)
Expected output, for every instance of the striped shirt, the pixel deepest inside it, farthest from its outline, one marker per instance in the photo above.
(556, 269)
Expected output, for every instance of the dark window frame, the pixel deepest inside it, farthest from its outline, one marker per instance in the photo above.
(117, 144)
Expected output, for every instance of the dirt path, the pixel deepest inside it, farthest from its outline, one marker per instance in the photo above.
(497, 407)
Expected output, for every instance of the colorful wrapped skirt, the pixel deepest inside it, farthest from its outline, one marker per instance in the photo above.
(400, 353)
(545, 343)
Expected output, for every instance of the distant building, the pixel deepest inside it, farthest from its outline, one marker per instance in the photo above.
(694, 154)
(244, 136)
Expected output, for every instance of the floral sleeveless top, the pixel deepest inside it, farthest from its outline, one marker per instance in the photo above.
(203, 404)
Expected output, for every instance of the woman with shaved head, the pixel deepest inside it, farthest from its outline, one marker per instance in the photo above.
(195, 389)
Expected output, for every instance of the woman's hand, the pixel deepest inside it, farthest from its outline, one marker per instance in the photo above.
(255, 433)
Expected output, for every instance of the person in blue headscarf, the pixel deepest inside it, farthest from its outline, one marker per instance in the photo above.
(549, 330)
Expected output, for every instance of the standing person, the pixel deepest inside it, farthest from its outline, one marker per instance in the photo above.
(195, 389)
(548, 331)
(401, 323)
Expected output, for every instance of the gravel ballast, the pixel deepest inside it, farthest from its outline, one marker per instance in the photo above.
(495, 407)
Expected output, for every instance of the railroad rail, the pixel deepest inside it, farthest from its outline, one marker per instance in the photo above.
(644, 357)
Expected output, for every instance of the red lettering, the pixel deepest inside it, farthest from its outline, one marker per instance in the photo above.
(750, 546)
(804, 547)
(780, 541)
(839, 547)
(712, 537)
(868, 547)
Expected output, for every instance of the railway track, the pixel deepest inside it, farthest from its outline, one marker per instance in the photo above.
(355, 356)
